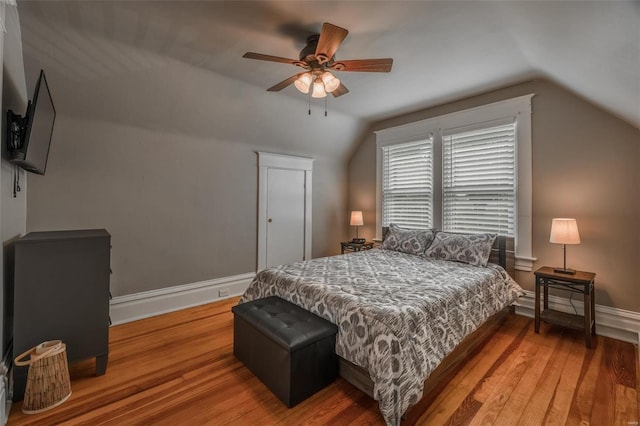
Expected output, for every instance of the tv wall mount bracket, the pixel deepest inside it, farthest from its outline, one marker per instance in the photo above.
(16, 129)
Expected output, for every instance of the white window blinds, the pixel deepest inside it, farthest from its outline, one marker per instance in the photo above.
(407, 184)
(479, 179)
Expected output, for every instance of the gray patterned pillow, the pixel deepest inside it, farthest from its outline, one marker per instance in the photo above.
(410, 241)
(473, 249)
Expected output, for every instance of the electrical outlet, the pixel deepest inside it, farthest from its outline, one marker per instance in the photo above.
(223, 292)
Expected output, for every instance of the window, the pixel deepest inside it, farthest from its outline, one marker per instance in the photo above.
(407, 184)
(478, 179)
(469, 171)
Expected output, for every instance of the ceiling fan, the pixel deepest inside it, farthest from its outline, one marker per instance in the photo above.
(318, 59)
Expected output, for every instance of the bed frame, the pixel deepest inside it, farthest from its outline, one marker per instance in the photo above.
(503, 254)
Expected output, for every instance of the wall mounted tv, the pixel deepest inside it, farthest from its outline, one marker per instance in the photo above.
(29, 137)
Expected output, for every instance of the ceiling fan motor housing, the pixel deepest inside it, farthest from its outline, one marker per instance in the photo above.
(308, 54)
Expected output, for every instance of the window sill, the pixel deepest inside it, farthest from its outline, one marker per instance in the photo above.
(525, 263)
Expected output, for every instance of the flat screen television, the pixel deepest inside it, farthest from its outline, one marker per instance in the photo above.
(29, 137)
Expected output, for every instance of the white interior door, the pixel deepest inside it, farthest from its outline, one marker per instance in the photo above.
(284, 209)
(285, 216)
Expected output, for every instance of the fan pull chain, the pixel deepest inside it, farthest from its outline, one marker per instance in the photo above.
(325, 105)
(309, 102)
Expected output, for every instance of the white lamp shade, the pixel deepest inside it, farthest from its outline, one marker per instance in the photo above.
(303, 83)
(318, 89)
(356, 218)
(330, 81)
(564, 231)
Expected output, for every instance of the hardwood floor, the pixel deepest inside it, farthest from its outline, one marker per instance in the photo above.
(179, 369)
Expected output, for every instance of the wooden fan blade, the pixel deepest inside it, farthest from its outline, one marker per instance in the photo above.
(284, 83)
(364, 65)
(260, 56)
(341, 90)
(330, 38)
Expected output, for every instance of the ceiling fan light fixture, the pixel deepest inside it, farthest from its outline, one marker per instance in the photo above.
(318, 89)
(331, 82)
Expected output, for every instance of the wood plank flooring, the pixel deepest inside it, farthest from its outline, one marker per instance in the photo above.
(179, 368)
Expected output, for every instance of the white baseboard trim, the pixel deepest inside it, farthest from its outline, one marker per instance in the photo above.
(610, 322)
(147, 304)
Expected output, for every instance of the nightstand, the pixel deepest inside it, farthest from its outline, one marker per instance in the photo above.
(349, 246)
(580, 282)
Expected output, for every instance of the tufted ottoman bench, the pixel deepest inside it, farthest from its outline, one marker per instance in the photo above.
(291, 350)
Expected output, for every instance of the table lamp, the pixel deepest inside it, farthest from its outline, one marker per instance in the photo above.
(356, 220)
(564, 231)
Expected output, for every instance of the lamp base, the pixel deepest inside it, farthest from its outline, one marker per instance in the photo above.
(565, 271)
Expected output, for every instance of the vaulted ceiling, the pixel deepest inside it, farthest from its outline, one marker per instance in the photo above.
(143, 62)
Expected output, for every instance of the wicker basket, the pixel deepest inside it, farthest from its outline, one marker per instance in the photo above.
(48, 383)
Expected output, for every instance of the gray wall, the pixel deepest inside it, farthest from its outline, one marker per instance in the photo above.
(161, 153)
(180, 208)
(14, 96)
(586, 164)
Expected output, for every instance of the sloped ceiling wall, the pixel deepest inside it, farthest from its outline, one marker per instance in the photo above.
(443, 50)
(91, 69)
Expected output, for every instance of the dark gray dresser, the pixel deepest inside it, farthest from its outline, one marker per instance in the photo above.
(61, 291)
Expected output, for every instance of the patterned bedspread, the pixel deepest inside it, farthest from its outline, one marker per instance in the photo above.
(398, 314)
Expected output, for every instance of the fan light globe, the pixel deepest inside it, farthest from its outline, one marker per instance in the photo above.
(303, 83)
(318, 89)
(330, 81)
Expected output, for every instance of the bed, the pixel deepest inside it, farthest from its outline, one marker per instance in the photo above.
(400, 315)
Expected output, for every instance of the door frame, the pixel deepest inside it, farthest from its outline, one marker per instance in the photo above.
(266, 161)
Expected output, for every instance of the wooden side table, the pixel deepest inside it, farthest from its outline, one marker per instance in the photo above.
(350, 246)
(582, 282)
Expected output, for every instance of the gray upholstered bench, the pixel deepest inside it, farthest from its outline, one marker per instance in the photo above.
(291, 350)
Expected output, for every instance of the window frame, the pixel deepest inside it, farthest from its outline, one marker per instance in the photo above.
(518, 109)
